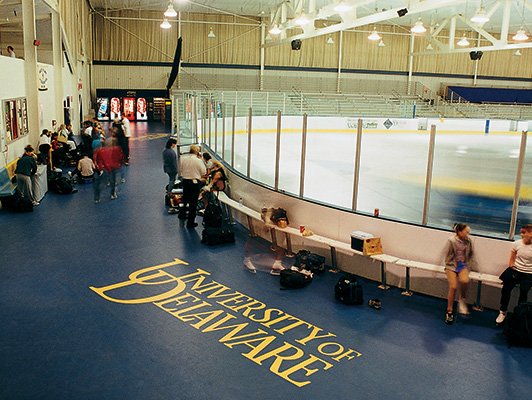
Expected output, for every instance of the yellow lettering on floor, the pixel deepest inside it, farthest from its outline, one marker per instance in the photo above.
(287, 360)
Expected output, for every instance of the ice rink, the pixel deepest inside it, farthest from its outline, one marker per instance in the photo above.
(473, 179)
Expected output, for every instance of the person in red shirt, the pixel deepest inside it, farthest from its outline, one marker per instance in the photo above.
(108, 161)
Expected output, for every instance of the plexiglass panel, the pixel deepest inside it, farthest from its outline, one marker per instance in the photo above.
(393, 166)
(474, 180)
(290, 155)
(330, 160)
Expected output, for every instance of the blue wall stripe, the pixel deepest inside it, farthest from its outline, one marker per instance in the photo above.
(308, 69)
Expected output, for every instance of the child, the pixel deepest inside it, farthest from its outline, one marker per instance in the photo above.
(459, 251)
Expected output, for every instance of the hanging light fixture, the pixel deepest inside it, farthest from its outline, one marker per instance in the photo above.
(211, 34)
(374, 35)
(342, 7)
(381, 44)
(330, 40)
(517, 53)
(463, 41)
(165, 24)
(480, 17)
(275, 30)
(520, 35)
(418, 27)
(302, 20)
(268, 38)
(170, 12)
(429, 47)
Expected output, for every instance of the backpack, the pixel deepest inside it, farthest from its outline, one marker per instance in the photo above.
(61, 186)
(292, 279)
(518, 329)
(348, 290)
(213, 216)
(310, 261)
(214, 236)
(22, 204)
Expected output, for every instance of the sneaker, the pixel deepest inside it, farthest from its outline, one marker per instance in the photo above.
(249, 266)
(113, 197)
(123, 180)
(192, 225)
(501, 317)
(375, 303)
(449, 318)
(462, 307)
(35, 203)
(96, 201)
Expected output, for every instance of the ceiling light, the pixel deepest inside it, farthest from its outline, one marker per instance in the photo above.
(520, 35)
(418, 27)
(275, 30)
(166, 24)
(268, 38)
(429, 47)
(374, 35)
(480, 17)
(517, 53)
(170, 12)
(330, 40)
(463, 41)
(211, 34)
(302, 20)
(381, 44)
(342, 7)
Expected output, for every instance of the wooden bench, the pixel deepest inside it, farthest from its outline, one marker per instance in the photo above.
(346, 247)
(475, 276)
(333, 245)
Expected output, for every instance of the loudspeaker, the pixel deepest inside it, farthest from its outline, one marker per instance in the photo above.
(402, 12)
(296, 44)
(475, 55)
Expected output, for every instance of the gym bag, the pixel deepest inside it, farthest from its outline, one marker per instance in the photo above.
(518, 329)
(292, 279)
(213, 236)
(310, 261)
(348, 290)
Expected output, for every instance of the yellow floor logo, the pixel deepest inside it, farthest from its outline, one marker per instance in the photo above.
(196, 299)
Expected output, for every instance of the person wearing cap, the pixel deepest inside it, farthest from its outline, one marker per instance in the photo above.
(192, 169)
(26, 168)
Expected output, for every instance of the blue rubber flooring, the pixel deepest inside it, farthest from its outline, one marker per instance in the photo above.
(79, 319)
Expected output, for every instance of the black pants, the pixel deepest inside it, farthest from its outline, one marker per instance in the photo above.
(525, 283)
(190, 198)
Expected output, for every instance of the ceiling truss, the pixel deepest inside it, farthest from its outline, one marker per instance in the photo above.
(284, 16)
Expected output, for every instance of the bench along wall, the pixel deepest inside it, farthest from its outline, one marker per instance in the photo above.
(405, 241)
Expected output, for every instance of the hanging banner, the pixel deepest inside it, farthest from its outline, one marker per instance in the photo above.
(43, 78)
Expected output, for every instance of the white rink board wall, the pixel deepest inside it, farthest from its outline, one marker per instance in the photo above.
(291, 124)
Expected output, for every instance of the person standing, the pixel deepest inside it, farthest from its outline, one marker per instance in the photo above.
(458, 257)
(45, 148)
(127, 135)
(170, 163)
(192, 169)
(108, 160)
(26, 168)
(521, 272)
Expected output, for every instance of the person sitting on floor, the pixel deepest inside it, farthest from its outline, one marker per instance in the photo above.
(85, 168)
(59, 150)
